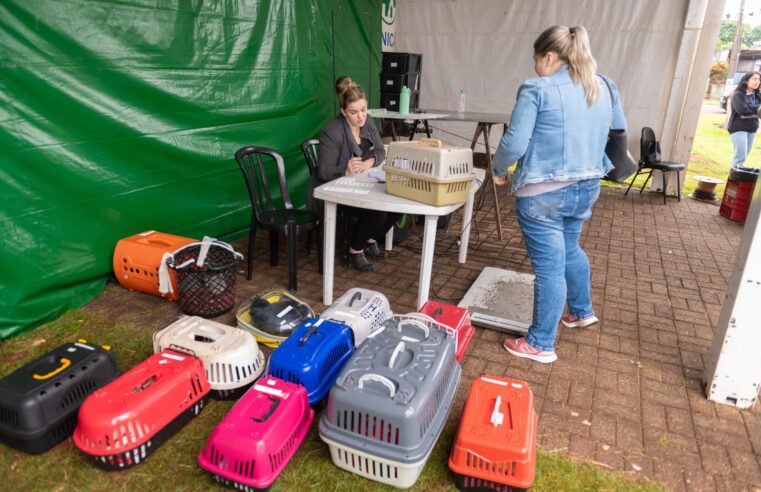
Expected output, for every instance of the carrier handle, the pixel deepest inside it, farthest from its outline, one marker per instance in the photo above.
(380, 379)
(497, 417)
(308, 334)
(182, 350)
(420, 324)
(437, 312)
(275, 403)
(159, 241)
(357, 296)
(145, 384)
(64, 364)
(399, 349)
(431, 142)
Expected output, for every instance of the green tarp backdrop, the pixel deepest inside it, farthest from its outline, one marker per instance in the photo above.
(118, 117)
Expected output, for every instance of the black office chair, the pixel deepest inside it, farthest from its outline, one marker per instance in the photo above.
(310, 148)
(254, 163)
(650, 160)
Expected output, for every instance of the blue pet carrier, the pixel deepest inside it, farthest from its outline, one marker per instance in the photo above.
(313, 356)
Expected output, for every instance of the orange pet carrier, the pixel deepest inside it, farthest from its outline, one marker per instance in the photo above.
(137, 260)
(495, 445)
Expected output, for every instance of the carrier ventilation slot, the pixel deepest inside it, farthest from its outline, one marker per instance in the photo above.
(78, 394)
(368, 425)
(505, 468)
(433, 406)
(367, 466)
(9, 417)
(331, 360)
(458, 168)
(235, 485)
(65, 428)
(286, 376)
(479, 484)
(285, 451)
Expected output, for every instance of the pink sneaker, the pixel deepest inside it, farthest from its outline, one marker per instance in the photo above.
(571, 321)
(520, 348)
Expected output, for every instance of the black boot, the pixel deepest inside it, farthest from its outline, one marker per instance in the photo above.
(359, 262)
(375, 252)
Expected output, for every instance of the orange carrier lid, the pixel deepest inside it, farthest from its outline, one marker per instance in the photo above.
(496, 440)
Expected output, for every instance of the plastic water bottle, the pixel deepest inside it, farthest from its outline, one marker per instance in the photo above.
(461, 104)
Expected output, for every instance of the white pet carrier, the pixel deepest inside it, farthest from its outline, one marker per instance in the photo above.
(362, 309)
(231, 357)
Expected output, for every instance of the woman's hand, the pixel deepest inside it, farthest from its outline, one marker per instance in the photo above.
(501, 180)
(358, 166)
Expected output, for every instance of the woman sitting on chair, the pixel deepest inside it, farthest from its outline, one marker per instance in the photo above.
(350, 145)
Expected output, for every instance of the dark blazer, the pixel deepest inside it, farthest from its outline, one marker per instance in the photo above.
(337, 146)
(744, 116)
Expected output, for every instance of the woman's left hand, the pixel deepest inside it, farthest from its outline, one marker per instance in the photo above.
(363, 166)
(501, 180)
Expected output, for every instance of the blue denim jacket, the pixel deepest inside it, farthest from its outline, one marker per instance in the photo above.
(555, 135)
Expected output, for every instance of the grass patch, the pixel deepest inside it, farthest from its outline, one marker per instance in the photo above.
(174, 467)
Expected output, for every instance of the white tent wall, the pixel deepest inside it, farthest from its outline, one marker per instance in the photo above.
(658, 52)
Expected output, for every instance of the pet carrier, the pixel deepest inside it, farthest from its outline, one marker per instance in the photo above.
(363, 310)
(258, 436)
(138, 259)
(313, 356)
(230, 356)
(206, 274)
(273, 315)
(39, 400)
(430, 172)
(390, 402)
(454, 319)
(495, 445)
(122, 423)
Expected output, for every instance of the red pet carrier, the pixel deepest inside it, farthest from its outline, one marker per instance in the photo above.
(258, 436)
(124, 422)
(495, 445)
(456, 319)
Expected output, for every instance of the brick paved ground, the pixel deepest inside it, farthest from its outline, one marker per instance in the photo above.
(626, 393)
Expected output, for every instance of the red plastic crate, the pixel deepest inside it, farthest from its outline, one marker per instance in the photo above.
(122, 423)
(495, 445)
(736, 200)
(457, 318)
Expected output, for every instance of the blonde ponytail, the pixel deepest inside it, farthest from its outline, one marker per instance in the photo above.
(572, 46)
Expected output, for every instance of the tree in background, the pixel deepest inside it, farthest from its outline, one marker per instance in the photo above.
(727, 34)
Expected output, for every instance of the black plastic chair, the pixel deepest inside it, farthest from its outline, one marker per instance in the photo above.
(254, 163)
(310, 148)
(650, 160)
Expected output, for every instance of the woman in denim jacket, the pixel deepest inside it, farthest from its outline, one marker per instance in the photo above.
(557, 133)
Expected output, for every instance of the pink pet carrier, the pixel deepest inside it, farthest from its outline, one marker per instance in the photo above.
(258, 436)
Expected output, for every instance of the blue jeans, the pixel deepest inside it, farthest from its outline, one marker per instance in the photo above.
(743, 142)
(551, 223)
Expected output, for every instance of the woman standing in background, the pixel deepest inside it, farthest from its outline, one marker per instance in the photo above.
(743, 116)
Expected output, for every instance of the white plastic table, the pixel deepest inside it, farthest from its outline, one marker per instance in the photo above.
(363, 192)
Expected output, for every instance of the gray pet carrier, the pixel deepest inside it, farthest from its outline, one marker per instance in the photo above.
(390, 402)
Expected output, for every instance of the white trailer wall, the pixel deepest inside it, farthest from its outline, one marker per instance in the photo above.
(658, 52)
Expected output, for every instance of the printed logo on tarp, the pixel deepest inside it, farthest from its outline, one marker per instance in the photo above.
(389, 11)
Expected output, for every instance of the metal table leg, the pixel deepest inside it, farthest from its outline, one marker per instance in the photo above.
(486, 128)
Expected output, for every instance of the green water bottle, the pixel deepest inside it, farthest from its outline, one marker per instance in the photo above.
(404, 100)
